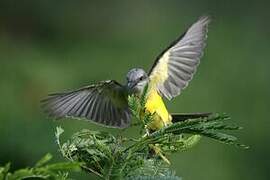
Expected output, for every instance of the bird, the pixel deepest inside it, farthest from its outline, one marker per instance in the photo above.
(106, 102)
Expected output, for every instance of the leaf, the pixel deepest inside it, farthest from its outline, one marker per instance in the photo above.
(63, 166)
(141, 177)
(44, 160)
(143, 96)
(203, 126)
(28, 173)
(58, 132)
(4, 171)
(115, 157)
(41, 171)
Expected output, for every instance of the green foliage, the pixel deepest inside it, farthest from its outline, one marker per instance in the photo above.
(41, 170)
(146, 157)
(115, 157)
(109, 157)
(208, 127)
(137, 107)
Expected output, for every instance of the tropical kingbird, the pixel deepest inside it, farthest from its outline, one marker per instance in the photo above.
(106, 102)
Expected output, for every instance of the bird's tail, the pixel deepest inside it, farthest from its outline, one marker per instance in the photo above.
(184, 116)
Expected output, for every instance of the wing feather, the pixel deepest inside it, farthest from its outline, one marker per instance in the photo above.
(104, 103)
(176, 65)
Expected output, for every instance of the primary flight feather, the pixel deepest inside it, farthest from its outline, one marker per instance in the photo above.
(175, 67)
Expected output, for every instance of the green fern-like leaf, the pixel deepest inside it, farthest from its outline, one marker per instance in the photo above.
(42, 170)
(111, 157)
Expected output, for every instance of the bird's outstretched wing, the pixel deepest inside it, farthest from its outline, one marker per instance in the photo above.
(175, 66)
(104, 103)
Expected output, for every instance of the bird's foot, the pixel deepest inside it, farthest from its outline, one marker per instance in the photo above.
(147, 133)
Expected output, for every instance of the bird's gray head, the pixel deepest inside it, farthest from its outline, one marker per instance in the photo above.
(137, 79)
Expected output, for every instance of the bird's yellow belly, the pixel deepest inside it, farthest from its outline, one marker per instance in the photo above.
(155, 105)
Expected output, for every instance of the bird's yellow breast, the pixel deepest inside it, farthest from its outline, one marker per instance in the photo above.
(155, 105)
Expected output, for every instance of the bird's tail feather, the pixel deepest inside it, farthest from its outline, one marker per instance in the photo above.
(184, 116)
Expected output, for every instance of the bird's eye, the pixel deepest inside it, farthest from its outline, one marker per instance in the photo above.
(141, 78)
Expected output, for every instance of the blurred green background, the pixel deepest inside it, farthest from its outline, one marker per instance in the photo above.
(49, 46)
